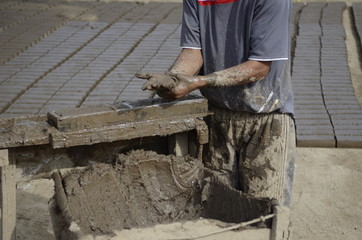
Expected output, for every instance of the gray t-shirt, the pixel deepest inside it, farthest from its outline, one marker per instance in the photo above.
(230, 32)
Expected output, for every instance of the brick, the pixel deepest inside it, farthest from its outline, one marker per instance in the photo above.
(298, 106)
(349, 141)
(306, 116)
(343, 98)
(315, 131)
(344, 111)
(315, 97)
(353, 122)
(316, 141)
(348, 132)
(313, 122)
(350, 101)
(356, 116)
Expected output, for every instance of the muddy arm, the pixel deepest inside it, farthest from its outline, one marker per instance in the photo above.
(247, 72)
(189, 62)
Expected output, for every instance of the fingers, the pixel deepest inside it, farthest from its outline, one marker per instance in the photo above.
(170, 74)
(144, 75)
(150, 85)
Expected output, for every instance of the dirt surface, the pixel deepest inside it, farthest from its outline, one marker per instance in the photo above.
(33, 219)
(327, 194)
(202, 229)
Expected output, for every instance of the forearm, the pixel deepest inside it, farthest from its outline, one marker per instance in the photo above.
(247, 72)
(189, 62)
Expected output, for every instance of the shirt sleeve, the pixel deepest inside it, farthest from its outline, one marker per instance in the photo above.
(190, 31)
(270, 30)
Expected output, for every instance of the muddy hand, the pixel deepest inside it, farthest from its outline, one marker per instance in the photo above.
(157, 81)
(184, 85)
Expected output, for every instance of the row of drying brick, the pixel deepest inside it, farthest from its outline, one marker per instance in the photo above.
(19, 34)
(8, 4)
(155, 53)
(72, 69)
(327, 111)
(22, 29)
(312, 118)
(118, 83)
(22, 72)
(12, 15)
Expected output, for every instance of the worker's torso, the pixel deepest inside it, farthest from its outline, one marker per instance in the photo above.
(226, 33)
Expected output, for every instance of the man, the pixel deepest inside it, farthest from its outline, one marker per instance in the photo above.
(236, 52)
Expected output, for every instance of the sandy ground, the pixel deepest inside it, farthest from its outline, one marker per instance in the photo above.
(327, 194)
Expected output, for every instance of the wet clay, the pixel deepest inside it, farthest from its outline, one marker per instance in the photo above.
(158, 81)
(144, 188)
(139, 190)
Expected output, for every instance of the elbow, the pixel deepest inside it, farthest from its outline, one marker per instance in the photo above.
(262, 69)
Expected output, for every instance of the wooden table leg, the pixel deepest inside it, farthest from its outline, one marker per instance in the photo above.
(178, 144)
(7, 196)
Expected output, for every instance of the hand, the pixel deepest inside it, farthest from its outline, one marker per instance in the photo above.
(168, 85)
(184, 85)
(157, 81)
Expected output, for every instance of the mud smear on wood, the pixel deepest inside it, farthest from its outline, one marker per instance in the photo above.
(144, 188)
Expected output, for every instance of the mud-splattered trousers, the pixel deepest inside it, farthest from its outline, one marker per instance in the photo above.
(255, 153)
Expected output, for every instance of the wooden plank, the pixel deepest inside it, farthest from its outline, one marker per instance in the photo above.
(126, 112)
(16, 132)
(8, 198)
(123, 132)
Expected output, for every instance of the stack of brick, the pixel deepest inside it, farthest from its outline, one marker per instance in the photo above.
(72, 66)
(293, 25)
(327, 111)
(29, 87)
(155, 51)
(20, 34)
(339, 97)
(314, 127)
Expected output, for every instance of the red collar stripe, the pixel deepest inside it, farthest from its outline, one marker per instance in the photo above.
(214, 2)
